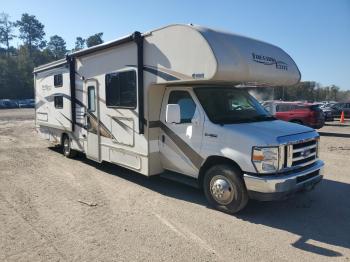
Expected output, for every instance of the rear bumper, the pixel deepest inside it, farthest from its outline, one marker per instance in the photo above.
(277, 187)
(329, 118)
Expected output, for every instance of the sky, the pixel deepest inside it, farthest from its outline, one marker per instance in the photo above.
(316, 34)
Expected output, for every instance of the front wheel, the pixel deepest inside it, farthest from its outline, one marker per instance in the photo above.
(224, 188)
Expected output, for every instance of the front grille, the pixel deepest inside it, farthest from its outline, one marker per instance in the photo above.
(304, 153)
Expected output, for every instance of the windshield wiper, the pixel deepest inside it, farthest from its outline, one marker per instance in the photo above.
(264, 118)
(258, 118)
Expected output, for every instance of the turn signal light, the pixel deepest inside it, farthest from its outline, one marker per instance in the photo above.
(258, 157)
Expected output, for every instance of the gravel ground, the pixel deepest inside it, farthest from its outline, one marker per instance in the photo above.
(57, 209)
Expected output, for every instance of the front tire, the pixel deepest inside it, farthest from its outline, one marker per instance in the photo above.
(66, 147)
(224, 188)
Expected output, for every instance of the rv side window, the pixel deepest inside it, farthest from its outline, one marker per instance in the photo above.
(186, 103)
(58, 101)
(121, 89)
(58, 80)
(91, 99)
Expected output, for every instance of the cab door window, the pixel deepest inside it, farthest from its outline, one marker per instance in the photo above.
(91, 99)
(186, 103)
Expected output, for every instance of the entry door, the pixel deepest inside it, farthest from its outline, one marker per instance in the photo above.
(92, 121)
(180, 143)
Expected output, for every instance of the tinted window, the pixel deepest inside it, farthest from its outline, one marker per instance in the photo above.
(91, 99)
(58, 101)
(282, 108)
(58, 80)
(186, 103)
(268, 108)
(121, 89)
(225, 105)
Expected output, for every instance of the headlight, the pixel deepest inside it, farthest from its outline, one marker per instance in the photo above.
(266, 159)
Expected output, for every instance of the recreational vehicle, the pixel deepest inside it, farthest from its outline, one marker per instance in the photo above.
(173, 102)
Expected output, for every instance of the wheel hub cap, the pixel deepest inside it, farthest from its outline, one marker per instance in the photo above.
(66, 146)
(221, 190)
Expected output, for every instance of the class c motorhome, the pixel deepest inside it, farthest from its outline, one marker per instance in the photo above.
(172, 101)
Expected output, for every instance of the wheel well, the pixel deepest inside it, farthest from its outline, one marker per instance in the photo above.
(212, 161)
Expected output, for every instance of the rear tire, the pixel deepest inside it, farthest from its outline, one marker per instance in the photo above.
(224, 188)
(66, 147)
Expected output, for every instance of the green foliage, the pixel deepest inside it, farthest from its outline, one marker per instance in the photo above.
(310, 91)
(57, 46)
(31, 31)
(11, 82)
(17, 64)
(95, 39)
(6, 29)
(79, 43)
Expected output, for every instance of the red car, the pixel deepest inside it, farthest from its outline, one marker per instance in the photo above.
(302, 113)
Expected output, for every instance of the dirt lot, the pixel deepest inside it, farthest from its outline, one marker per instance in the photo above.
(57, 209)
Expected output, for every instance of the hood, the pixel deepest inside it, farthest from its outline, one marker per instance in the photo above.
(269, 132)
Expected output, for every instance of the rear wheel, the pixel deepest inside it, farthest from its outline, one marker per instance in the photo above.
(66, 147)
(224, 188)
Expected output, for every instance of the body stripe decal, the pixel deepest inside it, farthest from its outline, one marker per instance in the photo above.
(187, 150)
(157, 71)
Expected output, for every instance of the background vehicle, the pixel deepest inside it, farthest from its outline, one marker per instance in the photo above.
(26, 103)
(338, 108)
(7, 103)
(328, 114)
(14, 103)
(301, 113)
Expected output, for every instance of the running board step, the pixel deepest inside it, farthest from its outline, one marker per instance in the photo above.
(183, 179)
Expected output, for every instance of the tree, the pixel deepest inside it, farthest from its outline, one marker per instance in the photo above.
(95, 39)
(57, 46)
(334, 92)
(79, 43)
(31, 31)
(6, 29)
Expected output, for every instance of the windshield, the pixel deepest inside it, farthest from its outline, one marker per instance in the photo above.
(226, 105)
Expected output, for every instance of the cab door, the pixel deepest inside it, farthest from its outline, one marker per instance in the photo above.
(180, 143)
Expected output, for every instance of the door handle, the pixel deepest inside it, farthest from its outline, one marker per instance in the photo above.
(210, 135)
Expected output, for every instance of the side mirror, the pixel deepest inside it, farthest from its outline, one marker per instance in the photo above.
(172, 114)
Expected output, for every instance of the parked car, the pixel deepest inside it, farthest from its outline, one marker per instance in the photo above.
(7, 103)
(302, 113)
(2, 104)
(327, 104)
(338, 108)
(328, 114)
(26, 103)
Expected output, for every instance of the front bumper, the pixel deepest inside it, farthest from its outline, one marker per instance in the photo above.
(276, 187)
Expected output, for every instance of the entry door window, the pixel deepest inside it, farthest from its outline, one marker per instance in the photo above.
(186, 103)
(91, 99)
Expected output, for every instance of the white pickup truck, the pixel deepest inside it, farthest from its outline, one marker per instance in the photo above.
(266, 159)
